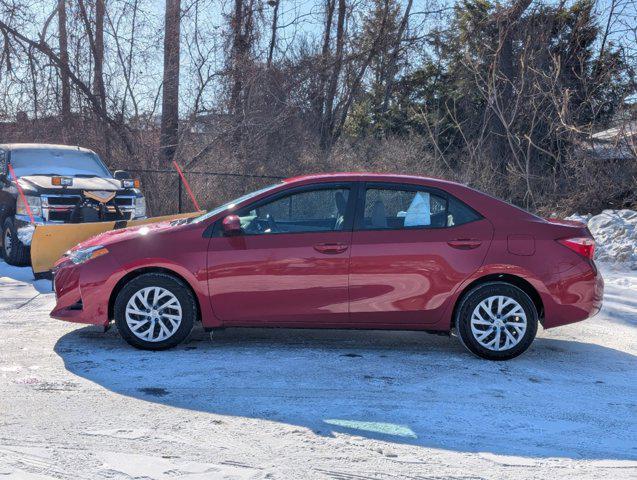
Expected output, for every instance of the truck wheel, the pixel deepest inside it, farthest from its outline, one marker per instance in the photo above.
(13, 250)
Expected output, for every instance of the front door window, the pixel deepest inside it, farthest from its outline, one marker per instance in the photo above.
(321, 210)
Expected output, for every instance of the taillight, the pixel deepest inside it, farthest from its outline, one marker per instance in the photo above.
(583, 246)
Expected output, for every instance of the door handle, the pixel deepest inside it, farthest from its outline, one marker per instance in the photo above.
(464, 243)
(331, 248)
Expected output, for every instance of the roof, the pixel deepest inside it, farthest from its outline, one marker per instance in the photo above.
(378, 177)
(488, 206)
(32, 146)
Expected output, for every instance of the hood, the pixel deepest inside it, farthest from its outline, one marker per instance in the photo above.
(43, 182)
(124, 234)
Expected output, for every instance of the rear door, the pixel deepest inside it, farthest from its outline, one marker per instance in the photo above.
(411, 247)
(290, 264)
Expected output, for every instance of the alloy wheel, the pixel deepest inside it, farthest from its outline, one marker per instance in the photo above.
(498, 323)
(7, 242)
(153, 314)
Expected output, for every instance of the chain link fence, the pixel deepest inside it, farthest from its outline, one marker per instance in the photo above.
(165, 193)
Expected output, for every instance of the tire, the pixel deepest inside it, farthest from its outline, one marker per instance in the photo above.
(14, 251)
(176, 315)
(489, 335)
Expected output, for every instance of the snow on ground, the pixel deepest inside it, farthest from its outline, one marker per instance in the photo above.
(77, 403)
(615, 233)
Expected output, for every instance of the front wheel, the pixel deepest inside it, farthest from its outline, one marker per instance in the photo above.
(13, 250)
(496, 321)
(155, 311)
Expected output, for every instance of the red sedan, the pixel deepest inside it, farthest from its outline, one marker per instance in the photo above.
(340, 251)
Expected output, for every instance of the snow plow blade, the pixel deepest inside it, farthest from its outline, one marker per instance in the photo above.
(49, 242)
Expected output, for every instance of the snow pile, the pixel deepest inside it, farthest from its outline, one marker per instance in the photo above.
(25, 234)
(615, 233)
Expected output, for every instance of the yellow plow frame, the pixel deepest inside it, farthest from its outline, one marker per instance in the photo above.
(49, 242)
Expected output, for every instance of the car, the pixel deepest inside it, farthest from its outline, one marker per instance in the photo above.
(344, 251)
(59, 184)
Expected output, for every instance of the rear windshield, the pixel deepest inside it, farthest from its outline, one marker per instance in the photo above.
(51, 161)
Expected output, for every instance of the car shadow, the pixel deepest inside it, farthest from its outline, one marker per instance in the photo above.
(562, 398)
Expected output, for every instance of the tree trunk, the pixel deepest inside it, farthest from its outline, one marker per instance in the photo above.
(275, 19)
(319, 100)
(98, 54)
(64, 59)
(392, 68)
(236, 60)
(170, 97)
(327, 123)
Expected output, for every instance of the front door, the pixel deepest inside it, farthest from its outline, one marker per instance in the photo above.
(290, 264)
(411, 247)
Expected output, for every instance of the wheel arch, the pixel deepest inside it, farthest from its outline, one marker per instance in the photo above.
(141, 271)
(514, 280)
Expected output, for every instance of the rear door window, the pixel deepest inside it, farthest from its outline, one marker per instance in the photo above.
(397, 208)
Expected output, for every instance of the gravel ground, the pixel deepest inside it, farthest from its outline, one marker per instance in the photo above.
(76, 403)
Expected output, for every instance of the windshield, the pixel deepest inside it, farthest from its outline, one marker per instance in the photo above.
(52, 161)
(234, 202)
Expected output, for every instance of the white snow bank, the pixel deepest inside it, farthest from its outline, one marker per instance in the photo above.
(615, 233)
(25, 234)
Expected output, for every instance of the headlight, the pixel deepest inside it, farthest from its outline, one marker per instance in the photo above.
(140, 207)
(85, 254)
(35, 204)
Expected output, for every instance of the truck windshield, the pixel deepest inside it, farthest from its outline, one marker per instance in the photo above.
(51, 161)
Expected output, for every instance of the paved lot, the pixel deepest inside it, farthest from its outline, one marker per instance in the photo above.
(76, 403)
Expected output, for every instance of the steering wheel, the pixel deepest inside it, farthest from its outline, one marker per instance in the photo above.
(271, 223)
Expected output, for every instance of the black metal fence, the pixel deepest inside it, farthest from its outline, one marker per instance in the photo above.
(166, 194)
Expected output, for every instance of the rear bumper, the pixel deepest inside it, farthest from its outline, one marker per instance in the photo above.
(580, 296)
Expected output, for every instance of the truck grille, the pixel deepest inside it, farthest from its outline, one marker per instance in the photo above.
(59, 208)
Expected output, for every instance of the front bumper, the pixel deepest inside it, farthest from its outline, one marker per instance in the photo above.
(82, 292)
(23, 220)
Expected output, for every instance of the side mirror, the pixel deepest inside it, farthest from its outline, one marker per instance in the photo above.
(122, 175)
(231, 225)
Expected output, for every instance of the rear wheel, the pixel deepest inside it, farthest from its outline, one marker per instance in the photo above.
(496, 321)
(155, 311)
(13, 250)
